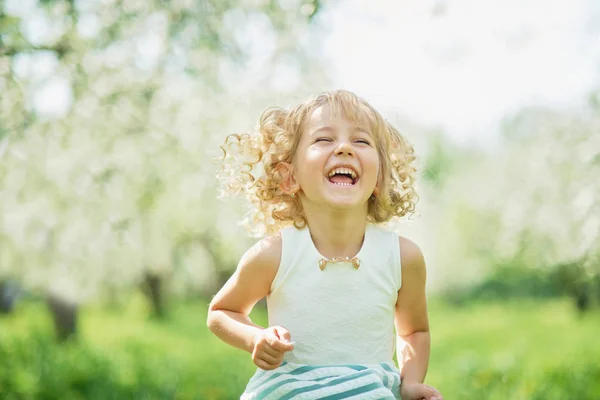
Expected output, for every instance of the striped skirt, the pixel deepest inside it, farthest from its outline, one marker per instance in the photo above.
(297, 381)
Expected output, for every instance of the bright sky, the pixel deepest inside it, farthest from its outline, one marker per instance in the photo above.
(465, 64)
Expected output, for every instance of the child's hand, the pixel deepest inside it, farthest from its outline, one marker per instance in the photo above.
(419, 391)
(270, 346)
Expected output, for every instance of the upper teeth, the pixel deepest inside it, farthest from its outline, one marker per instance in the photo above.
(345, 171)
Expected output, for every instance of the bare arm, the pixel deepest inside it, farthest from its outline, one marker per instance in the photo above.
(228, 312)
(412, 323)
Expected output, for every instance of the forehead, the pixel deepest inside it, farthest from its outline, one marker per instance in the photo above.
(327, 115)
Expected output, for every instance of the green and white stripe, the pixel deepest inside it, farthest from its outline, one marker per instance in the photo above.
(296, 381)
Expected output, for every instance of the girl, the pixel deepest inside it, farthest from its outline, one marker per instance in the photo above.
(321, 178)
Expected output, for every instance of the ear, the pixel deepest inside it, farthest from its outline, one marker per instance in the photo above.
(287, 181)
(377, 189)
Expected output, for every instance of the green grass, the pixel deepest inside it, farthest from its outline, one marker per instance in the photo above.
(520, 350)
(524, 350)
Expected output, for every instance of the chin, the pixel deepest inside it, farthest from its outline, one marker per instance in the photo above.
(345, 204)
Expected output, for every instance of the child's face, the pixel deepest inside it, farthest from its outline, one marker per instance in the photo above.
(336, 162)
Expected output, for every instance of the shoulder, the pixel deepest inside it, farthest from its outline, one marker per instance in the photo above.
(264, 255)
(252, 278)
(410, 252)
(412, 260)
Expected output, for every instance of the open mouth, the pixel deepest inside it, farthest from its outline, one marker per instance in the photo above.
(343, 176)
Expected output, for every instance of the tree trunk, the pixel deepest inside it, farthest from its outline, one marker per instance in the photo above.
(8, 295)
(582, 300)
(64, 314)
(153, 288)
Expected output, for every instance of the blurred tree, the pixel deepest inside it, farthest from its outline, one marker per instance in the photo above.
(107, 112)
(560, 205)
(530, 203)
(444, 159)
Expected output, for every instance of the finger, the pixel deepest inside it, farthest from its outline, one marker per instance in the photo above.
(424, 392)
(276, 343)
(282, 333)
(282, 346)
(264, 365)
(271, 337)
(271, 351)
(433, 394)
(269, 359)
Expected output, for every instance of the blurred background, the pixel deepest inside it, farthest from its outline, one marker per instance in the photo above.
(113, 240)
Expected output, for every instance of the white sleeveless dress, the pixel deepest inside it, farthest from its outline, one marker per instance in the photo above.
(340, 318)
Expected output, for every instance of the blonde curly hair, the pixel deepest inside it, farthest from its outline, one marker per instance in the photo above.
(250, 160)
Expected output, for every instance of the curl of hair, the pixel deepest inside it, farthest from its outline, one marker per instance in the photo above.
(250, 160)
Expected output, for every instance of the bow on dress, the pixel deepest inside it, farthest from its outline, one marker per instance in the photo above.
(324, 261)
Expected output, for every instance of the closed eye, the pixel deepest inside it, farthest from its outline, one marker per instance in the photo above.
(324, 139)
(365, 141)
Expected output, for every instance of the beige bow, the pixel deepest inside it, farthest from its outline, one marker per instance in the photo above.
(324, 261)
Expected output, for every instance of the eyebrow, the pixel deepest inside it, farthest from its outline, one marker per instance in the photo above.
(322, 128)
(327, 128)
(357, 128)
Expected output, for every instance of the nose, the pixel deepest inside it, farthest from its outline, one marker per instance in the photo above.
(344, 149)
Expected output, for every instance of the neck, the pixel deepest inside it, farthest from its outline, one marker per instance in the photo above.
(336, 233)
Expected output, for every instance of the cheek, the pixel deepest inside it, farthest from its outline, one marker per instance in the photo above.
(316, 159)
(374, 165)
(308, 166)
(314, 153)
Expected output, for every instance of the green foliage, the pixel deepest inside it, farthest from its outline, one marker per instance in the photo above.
(507, 282)
(500, 350)
(440, 161)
